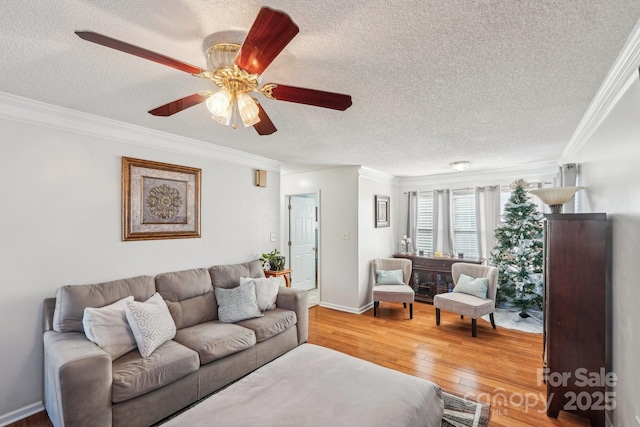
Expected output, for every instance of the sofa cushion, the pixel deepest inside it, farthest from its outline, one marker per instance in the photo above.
(181, 285)
(151, 323)
(228, 276)
(189, 295)
(134, 375)
(108, 327)
(192, 311)
(214, 340)
(71, 300)
(271, 324)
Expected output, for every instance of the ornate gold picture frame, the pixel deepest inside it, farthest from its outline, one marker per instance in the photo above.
(159, 200)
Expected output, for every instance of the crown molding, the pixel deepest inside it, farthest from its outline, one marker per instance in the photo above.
(24, 110)
(378, 176)
(491, 176)
(623, 73)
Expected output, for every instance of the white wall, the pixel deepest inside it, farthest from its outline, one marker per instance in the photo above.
(609, 171)
(375, 242)
(338, 257)
(60, 223)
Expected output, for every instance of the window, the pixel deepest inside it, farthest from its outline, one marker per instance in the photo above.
(463, 211)
(425, 222)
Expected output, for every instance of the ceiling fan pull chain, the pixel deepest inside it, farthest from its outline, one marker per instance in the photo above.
(234, 113)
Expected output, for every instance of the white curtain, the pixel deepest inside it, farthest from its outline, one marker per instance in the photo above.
(412, 219)
(442, 228)
(487, 217)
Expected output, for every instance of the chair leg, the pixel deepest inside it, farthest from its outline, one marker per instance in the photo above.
(375, 307)
(437, 316)
(493, 322)
(404, 304)
(473, 327)
(410, 310)
(461, 317)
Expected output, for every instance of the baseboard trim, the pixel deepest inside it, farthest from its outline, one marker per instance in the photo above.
(342, 308)
(20, 414)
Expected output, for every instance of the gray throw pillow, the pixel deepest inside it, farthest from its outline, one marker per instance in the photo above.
(477, 287)
(390, 277)
(238, 303)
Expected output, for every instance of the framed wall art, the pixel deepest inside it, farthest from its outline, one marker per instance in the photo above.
(382, 211)
(159, 200)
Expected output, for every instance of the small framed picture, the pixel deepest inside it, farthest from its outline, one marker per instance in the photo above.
(382, 211)
(159, 200)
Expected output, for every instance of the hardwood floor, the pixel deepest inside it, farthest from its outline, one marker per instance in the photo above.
(498, 367)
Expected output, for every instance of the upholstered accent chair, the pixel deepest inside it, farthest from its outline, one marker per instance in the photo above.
(462, 302)
(399, 292)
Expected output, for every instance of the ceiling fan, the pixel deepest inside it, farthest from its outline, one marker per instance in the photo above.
(235, 70)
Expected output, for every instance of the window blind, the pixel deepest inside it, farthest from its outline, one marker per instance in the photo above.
(425, 222)
(463, 209)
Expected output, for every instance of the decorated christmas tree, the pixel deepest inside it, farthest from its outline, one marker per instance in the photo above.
(518, 252)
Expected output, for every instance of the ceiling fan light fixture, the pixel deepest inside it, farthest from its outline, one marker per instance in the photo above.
(219, 103)
(248, 109)
(460, 165)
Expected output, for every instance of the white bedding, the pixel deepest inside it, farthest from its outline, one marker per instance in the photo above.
(316, 386)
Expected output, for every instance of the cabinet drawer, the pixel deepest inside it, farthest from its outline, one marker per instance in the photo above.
(432, 264)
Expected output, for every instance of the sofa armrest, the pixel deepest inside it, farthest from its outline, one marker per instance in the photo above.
(298, 301)
(77, 380)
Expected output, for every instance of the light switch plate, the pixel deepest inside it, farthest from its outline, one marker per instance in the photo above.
(273, 237)
(346, 235)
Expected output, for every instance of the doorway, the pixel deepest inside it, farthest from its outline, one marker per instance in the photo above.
(303, 240)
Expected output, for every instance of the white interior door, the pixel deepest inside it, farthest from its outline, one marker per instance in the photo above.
(302, 238)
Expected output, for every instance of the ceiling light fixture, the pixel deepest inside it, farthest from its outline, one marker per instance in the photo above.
(235, 84)
(460, 165)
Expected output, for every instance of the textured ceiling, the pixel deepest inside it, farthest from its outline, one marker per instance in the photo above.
(494, 82)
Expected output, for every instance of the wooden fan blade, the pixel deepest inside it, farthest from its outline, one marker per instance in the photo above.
(138, 51)
(265, 125)
(270, 33)
(178, 105)
(318, 98)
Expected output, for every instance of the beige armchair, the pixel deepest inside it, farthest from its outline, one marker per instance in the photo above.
(465, 304)
(392, 293)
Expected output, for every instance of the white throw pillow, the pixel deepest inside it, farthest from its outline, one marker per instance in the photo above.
(266, 291)
(151, 323)
(108, 327)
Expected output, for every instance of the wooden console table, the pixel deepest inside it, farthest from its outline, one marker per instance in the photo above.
(285, 273)
(432, 275)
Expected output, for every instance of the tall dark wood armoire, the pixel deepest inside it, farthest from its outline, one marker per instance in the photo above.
(575, 268)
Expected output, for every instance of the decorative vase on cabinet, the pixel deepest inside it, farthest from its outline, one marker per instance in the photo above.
(575, 317)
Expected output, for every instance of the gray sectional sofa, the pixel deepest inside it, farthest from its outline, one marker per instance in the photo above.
(84, 386)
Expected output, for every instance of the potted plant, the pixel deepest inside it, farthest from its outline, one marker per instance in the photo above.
(273, 260)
